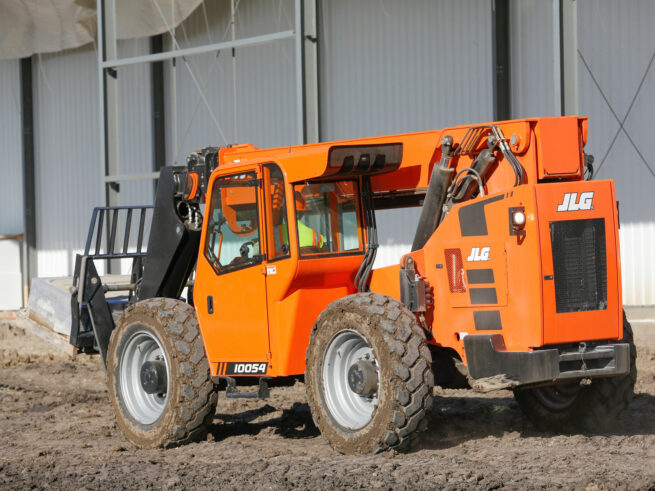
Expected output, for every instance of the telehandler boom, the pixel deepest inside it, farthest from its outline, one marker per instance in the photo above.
(513, 281)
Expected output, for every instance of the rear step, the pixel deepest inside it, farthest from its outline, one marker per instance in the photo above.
(232, 392)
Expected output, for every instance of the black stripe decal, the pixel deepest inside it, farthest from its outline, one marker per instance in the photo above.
(481, 296)
(479, 276)
(487, 320)
(472, 220)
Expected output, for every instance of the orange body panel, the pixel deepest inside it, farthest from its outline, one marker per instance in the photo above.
(516, 267)
(386, 280)
(565, 158)
(486, 278)
(596, 324)
(265, 312)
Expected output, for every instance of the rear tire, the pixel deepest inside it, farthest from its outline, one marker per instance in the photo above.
(572, 407)
(178, 400)
(384, 336)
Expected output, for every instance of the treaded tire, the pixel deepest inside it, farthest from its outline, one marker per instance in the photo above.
(594, 408)
(404, 365)
(191, 401)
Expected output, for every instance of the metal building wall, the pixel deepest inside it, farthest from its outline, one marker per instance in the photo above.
(396, 67)
(11, 163)
(385, 67)
(135, 124)
(69, 176)
(534, 58)
(11, 184)
(616, 77)
(265, 81)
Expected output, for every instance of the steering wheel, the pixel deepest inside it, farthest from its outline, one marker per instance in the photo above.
(244, 251)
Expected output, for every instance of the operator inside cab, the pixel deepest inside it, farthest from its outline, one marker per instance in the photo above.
(307, 236)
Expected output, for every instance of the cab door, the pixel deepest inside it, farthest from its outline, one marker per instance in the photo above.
(230, 291)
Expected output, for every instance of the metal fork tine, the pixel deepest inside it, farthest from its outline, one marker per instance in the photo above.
(128, 224)
(112, 233)
(101, 220)
(92, 227)
(142, 222)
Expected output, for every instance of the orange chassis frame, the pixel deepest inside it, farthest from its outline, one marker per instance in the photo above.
(486, 279)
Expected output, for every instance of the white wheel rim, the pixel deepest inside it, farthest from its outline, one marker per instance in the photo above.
(145, 408)
(349, 409)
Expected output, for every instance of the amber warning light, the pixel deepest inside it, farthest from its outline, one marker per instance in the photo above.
(364, 159)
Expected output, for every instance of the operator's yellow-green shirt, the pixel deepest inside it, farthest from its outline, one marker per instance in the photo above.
(307, 236)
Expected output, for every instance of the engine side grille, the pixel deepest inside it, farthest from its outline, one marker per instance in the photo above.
(580, 264)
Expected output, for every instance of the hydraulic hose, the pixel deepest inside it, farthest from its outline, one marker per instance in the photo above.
(435, 196)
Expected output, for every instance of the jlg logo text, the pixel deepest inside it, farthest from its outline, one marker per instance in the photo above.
(479, 254)
(571, 203)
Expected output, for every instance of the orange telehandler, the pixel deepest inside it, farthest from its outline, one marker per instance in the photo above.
(513, 281)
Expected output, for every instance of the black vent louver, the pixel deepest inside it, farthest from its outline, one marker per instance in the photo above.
(580, 264)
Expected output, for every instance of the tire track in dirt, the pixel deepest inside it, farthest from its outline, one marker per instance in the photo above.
(57, 430)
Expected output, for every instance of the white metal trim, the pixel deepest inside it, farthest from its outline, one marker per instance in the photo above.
(209, 48)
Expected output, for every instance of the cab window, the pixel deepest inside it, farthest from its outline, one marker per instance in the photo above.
(328, 217)
(277, 230)
(233, 228)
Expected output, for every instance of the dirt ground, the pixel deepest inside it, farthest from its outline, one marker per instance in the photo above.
(57, 431)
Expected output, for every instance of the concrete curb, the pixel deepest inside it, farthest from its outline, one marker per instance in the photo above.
(640, 313)
(59, 342)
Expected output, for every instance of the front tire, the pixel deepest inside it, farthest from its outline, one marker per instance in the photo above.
(368, 377)
(158, 375)
(572, 407)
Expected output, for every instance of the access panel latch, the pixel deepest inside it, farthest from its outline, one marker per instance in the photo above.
(412, 287)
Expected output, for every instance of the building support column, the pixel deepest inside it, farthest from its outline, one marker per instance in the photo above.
(310, 71)
(108, 50)
(306, 34)
(29, 258)
(108, 118)
(501, 60)
(569, 56)
(158, 106)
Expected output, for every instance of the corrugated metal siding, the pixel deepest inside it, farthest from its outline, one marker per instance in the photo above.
(391, 67)
(135, 126)
(265, 80)
(617, 42)
(396, 67)
(385, 67)
(135, 134)
(11, 155)
(68, 174)
(534, 59)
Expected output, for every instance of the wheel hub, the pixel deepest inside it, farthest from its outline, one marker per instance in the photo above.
(153, 377)
(363, 378)
(351, 380)
(558, 397)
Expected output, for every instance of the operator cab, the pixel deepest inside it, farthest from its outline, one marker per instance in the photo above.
(265, 241)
